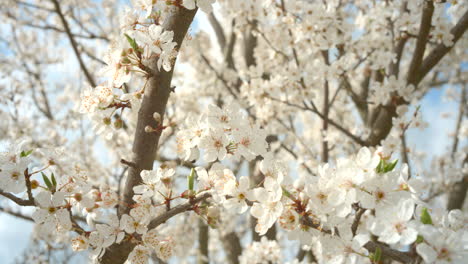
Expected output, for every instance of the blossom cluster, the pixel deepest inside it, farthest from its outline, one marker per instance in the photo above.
(142, 49)
(339, 210)
(219, 134)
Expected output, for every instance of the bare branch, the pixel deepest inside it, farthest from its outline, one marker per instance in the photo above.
(218, 30)
(16, 199)
(16, 214)
(73, 43)
(439, 52)
(424, 29)
(178, 210)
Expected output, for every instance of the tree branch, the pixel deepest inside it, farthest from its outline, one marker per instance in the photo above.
(73, 43)
(178, 209)
(219, 32)
(16, 214)
(145, 144)
(439, 52)
(424, 29)
(203, 240)
(16, 199)
(232, 246)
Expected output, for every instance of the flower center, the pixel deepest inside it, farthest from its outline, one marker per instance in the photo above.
(245, 142)
(15, 175)
(218, 144)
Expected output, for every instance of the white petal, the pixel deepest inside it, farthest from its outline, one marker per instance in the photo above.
(426, 252)
(408, 236)
(43, 199)
(63, 218)
(40, 215)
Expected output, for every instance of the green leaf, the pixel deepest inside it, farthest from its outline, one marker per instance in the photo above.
(53, 180)
(132, 42)
(419, 239)
(384, 166)
(191, 179)
(286, 193)
(47, 182)
(391, 166)
(425, 217)
(25, 154)
(380, 166)
(377, 255)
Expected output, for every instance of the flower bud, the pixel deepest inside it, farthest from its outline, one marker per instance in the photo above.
(157, 117)
(34, 184)
(106, 120)
(118, 123)
(148, 129)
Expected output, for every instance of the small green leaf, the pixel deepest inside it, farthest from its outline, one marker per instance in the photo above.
(132, 42)
(419, 239)
(426, 217)
(25, 154)
(377, 255)
(191, 179)
(286, 193)
(384, 166)
(47, 182)
(54, 182)
(391, 166)
(380, 166)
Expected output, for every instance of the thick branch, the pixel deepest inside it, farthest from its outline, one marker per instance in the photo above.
(439, 52)
(233, 247)
(457, 195)
(424, 29)
(203, 237)
(145, 144)
(250, 42)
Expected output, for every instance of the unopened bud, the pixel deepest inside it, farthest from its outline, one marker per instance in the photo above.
(106, 120)
(118, 123)
(34, 184)
(157, 117)
(78, 196)
(148, 129)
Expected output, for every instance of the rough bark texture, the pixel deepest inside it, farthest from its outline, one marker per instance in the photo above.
(145, 144)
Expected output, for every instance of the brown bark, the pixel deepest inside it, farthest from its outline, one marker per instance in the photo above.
(232, 247)
(419, 67)
(145, 144)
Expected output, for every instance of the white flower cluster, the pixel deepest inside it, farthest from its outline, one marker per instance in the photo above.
(367, 185)
(263, 251)
(220, 133)
(143, 48)
(12, 168)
